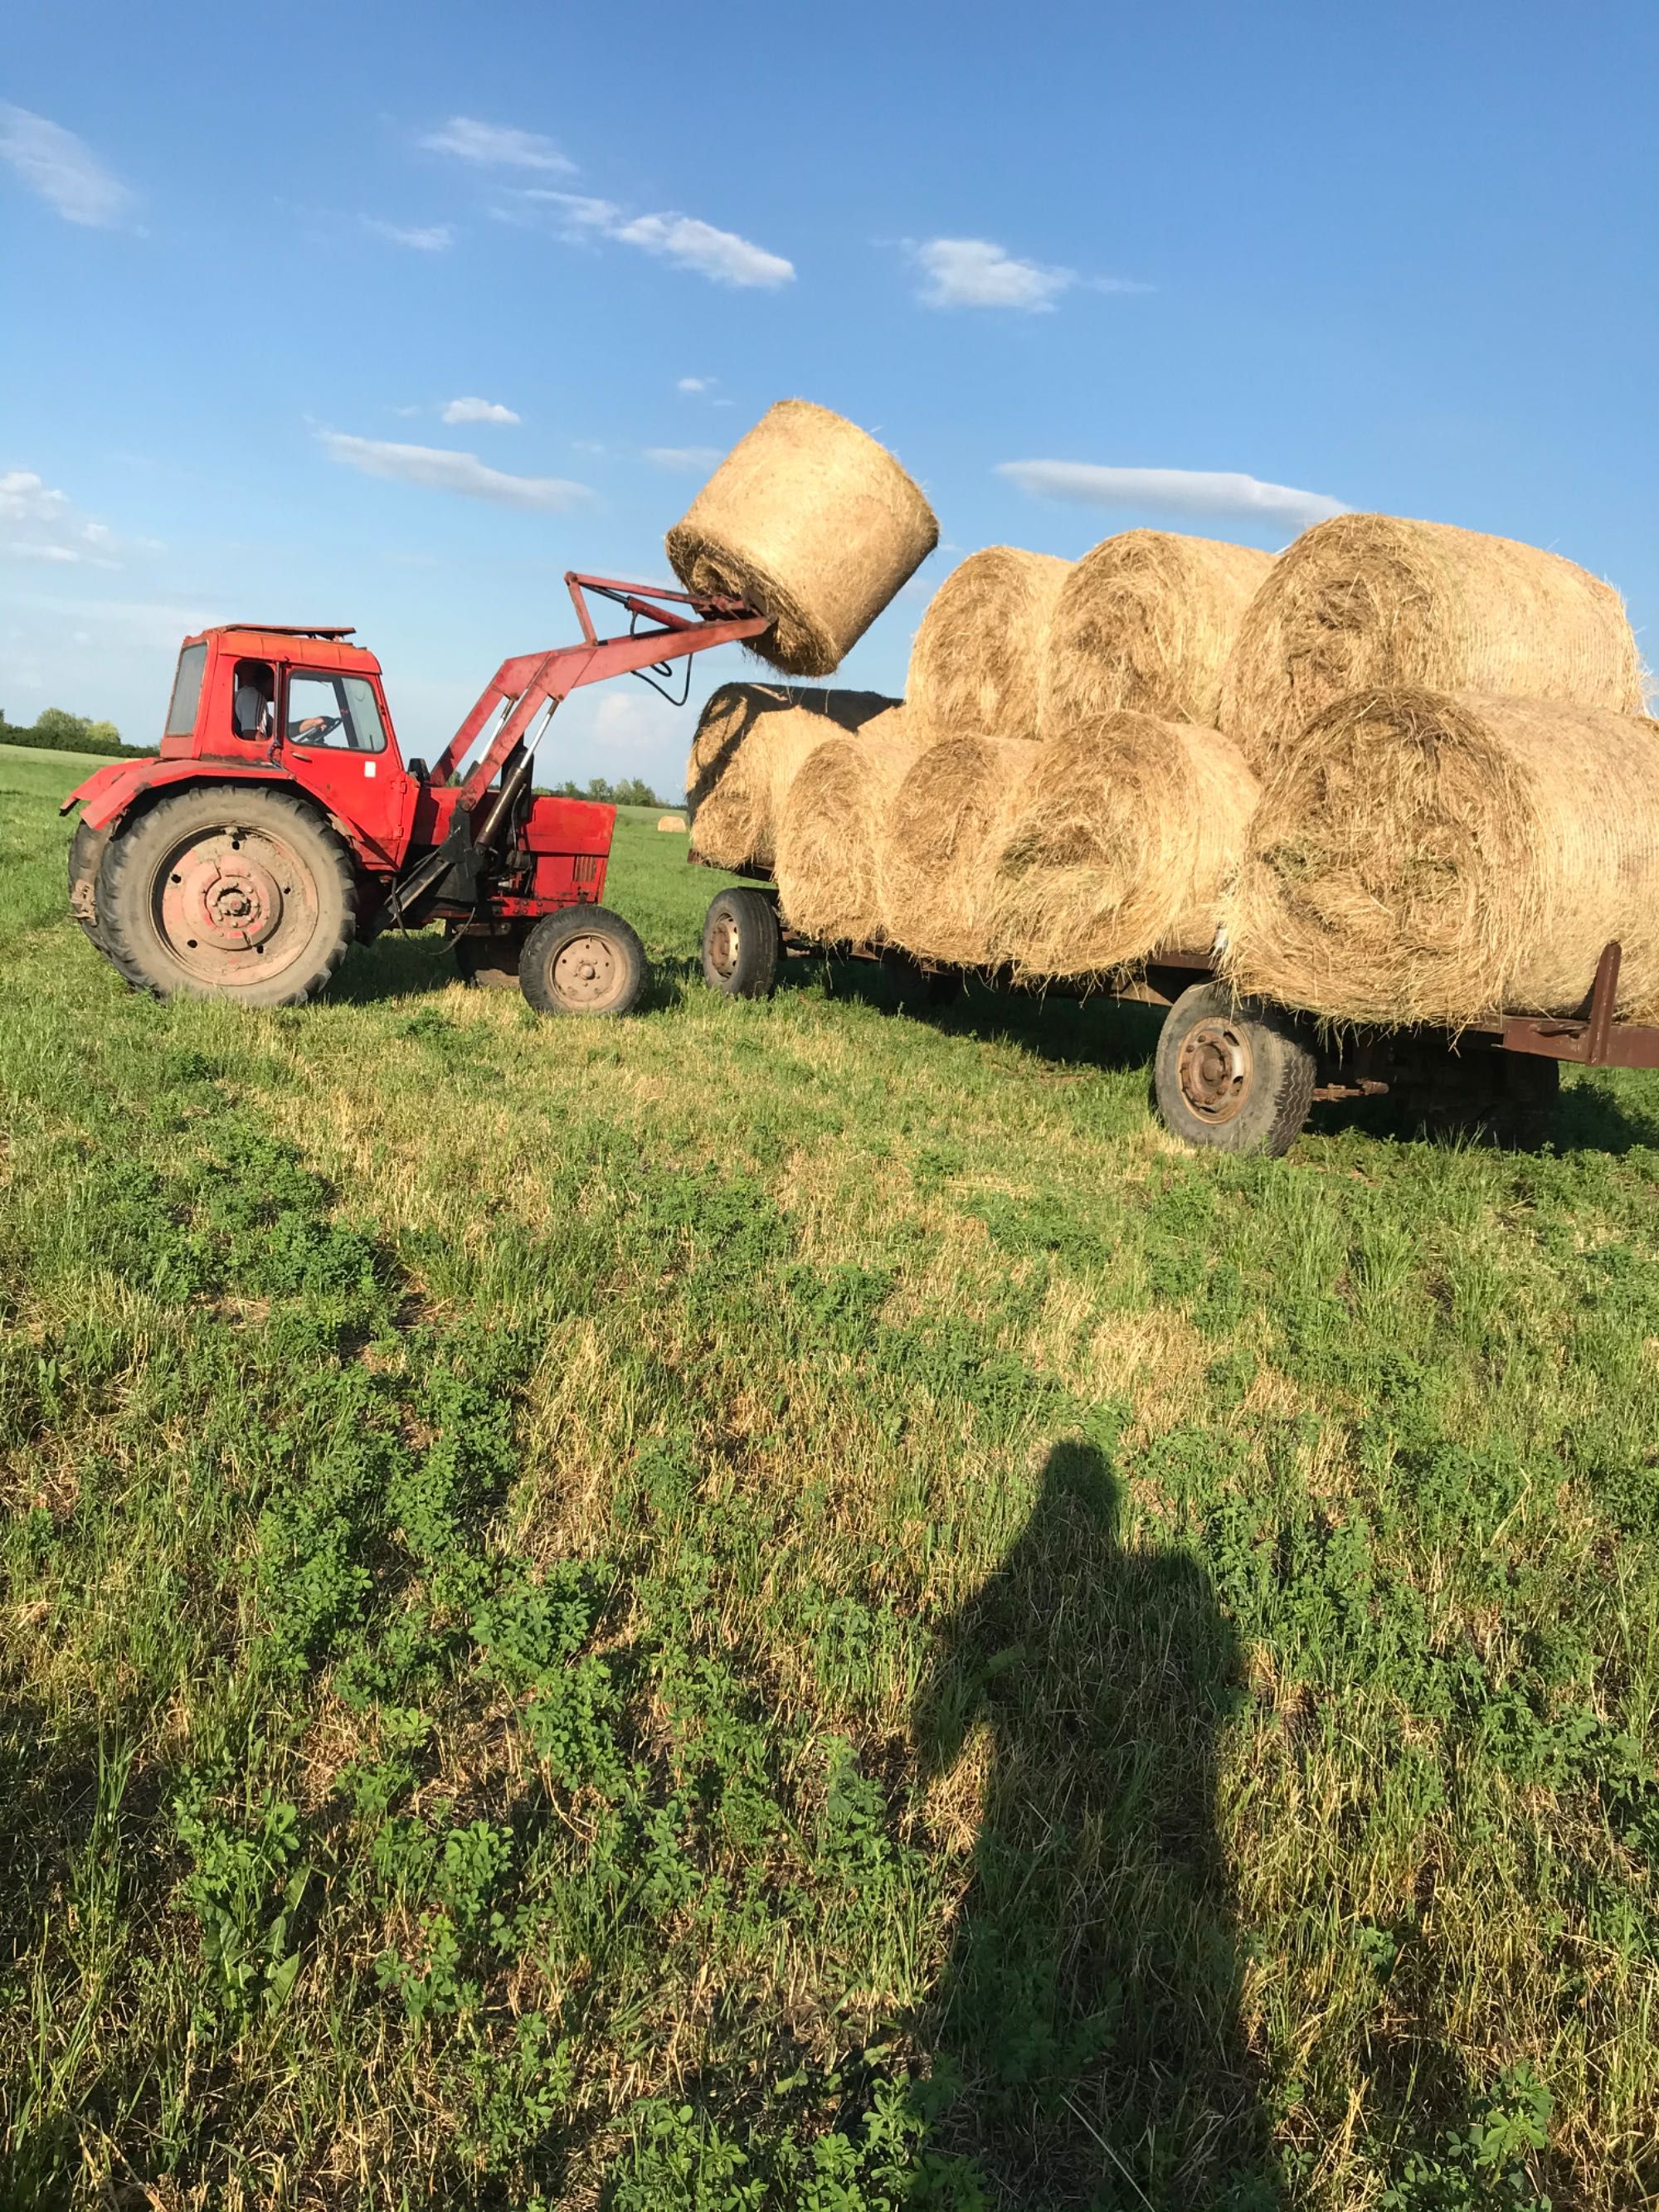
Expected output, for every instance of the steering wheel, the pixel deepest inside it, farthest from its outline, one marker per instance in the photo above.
(315, 729)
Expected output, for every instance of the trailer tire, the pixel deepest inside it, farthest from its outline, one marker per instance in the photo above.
(1231, 1075)
(583, 960)
(920, 990)
(228, 891)
(1511, 1095)
(742, 944)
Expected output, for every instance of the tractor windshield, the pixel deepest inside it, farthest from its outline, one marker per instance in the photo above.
(186, 691)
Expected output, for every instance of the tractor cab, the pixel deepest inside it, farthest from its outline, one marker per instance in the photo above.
(305, 703)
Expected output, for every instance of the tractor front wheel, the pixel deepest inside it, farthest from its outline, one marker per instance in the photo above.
(228, 891)
(583, 960)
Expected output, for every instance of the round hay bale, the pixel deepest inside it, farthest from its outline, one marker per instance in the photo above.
(1131, 831)
(947, 818)
(736, 825)
(1420, 857)
(1145, 621)
(673, 823)
(1368, 602)
(977, 660)
(829, 856)
(810, 522)
(730, 711)
(735, 828)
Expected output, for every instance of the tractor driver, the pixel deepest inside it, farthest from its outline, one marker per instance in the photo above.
(253, 704)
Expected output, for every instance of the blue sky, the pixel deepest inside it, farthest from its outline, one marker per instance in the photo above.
(1218, 268)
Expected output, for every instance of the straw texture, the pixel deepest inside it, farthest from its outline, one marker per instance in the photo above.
(734, 796)
(946, 820)
(1369, 602)
(1146, 621)
(1421, 857)
(976, 664)
(1130, 833)
(811, 523)
(829, 860)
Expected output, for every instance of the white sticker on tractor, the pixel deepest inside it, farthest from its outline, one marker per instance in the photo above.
(369, 766)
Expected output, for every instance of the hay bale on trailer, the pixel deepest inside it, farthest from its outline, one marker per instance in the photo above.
(1130, 833)
(946, 820)
(829, 856)
(1422, 857)
(977, 660)
(1145, 621)
(735, 795)
(1369, 602)
(810, 522)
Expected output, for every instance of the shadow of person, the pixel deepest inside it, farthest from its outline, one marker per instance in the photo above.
(1086, 2027)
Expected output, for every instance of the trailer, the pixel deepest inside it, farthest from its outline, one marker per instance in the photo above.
(1236, 1075)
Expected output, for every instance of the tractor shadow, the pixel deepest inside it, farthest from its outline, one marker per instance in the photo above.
(394, 966)
(1087, 2027)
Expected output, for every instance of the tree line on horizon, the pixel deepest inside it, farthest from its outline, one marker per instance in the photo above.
(56, 730)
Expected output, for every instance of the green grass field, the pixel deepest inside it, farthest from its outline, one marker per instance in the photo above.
(785, 1605)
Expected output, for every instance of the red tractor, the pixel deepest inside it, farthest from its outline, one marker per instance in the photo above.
(279, 821)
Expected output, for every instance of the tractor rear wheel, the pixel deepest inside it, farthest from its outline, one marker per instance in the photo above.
(228, 891)
(741, 945)
(583, 960)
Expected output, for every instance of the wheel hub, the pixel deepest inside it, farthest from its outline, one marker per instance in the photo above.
(723, 941)
(586, 973)
(232, 903)
(1215, 1070)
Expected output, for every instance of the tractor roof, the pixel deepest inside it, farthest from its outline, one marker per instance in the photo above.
(322, 644)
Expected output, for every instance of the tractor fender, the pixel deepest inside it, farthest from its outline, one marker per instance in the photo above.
(124, 788)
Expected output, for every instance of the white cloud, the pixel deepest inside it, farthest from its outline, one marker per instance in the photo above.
(972, 272)
(685, 457)
(442, 470)
(62, 169)
(695, 383)
(478, 411)
(497, 146)
(50, 527)
(434, 238)
(720, 255)
(1179, 492)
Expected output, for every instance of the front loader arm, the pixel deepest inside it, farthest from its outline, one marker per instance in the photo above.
(531, 682)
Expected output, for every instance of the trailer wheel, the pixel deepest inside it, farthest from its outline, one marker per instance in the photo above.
(1512, 1094)
(1232, 1075)
(490, 963)
(918, 989)
(741, 943)
(583, 960)
(228, 891)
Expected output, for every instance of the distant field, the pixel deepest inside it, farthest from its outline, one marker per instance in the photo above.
(784, 1605)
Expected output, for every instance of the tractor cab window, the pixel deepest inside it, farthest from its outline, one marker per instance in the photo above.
(186, 692)
(334, 710)
(254, 700)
